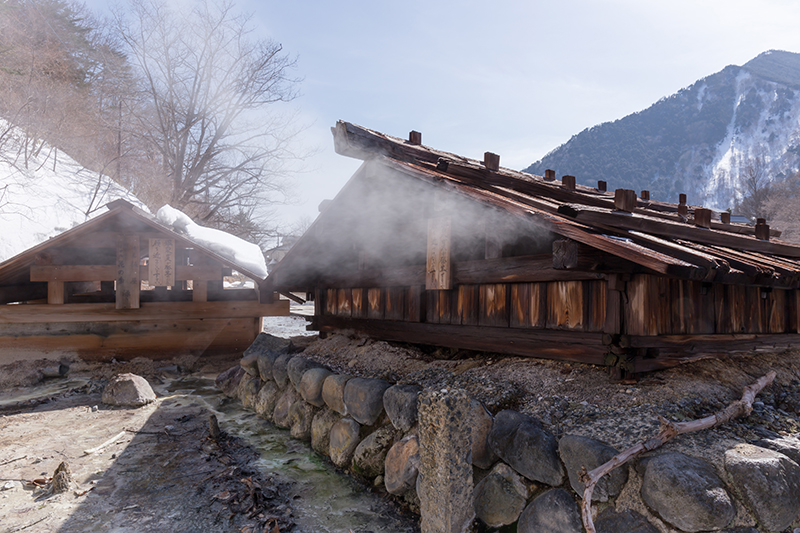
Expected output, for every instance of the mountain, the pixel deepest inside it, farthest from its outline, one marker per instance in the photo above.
(46, 192)
(700, 140)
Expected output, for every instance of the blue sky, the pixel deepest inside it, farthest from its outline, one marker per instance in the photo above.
(517, 78)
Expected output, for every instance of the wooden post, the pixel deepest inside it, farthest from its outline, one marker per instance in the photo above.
(762, 229)
(625, 200)
(725, 217)
(565, 254)
(602, 186)
(491, 161)
(200, 291)
(568, 182)
(550, 175)
(128, 283)
(702, 217)
(438, 275)
(415, 137)
(645, 195)
(55, 292)
(682, 199)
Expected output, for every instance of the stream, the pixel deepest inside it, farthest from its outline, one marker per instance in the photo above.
(329, 501)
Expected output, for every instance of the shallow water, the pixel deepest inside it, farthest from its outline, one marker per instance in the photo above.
(330, 502)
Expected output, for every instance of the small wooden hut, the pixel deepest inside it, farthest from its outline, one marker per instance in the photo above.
(428, 247)
(124, 285)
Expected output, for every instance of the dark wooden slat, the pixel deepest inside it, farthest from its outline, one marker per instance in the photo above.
(375, 303)
(467, 304)
(565, 309)
(494, 305)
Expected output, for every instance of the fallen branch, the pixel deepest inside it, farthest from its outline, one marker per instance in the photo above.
(109, 442)
(669, 430)
(13, 460)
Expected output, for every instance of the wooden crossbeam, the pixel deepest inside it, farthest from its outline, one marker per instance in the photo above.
(109, 273)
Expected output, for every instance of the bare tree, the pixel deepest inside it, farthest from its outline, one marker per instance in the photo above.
(755, 184)
(211, 92)
(783, 207)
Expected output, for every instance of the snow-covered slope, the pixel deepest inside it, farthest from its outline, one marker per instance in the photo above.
(51, 195)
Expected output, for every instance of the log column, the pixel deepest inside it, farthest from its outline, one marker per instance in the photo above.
(128, 282)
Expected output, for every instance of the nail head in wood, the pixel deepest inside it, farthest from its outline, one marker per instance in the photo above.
(415, 137)
(682, 199)
(625, 200)
(645, 195)
(725, 217)
(702, 217)
(550, 175)
(602, 186)
(568, 182)
(491, 161)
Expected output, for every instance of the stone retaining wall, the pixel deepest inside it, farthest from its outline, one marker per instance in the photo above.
(522, 473)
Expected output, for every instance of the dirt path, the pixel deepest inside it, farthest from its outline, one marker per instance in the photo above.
(162, 472)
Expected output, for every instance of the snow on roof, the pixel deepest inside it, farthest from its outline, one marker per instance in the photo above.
(238, 251)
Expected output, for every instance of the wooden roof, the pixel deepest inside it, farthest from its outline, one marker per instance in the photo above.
(662, 237)
(122, 216)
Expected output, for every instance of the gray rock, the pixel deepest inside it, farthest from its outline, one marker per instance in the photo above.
(500, 497)
(788, 446)
(310, 387)
(321, 430)
(266, 399)
(768, 483)
(248, 391)
(333, 392)
(686, 492)
(363, 399)
(301, 415)
(402, 466)
(400, 402)
(577, 452)
(370, 454)
(481, 421)
(609, 521)
(264, 363)
(739, 530)
(553, 512)
(343, 441)
(266, 343)
(297, 366)
(228, 381)
(250, 364)
(128, 390)
(280, 416)
(523, 443)
(279, 371)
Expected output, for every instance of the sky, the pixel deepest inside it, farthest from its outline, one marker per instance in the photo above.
(517, 78)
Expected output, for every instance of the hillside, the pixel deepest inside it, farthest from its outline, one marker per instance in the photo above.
(699, 140)
(51, 195)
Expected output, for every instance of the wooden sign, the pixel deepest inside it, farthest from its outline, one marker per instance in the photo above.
(161, 266)
(438, 275)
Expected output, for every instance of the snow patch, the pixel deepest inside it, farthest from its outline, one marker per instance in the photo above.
(236, 250)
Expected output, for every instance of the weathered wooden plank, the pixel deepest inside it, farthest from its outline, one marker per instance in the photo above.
(55, 292)
(613, 317)
(638, 317)
(432, 307)
(595, 305)
(775, 311)
(375, 303)
(467, 304)
(331, 301)
(446, 313)
(549, 344)
(344, 303)
(359, 308)
(494, 309)
(107, 312)
(395, 303)
(128, 282)
(415, 303)
(565, 305)
(438, 268)
(109, 272)
(161, 262)
(753, 311)
(528, 305)
(199, 291)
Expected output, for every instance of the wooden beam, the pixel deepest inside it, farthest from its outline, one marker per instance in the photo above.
(109, 272)
(199, 291)
(107, 312)
(128, 281)
(55, 292)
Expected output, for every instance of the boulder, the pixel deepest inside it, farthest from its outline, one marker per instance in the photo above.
(363, 399)
(610, 521)
(686, 492)
(310, 386)
(553, 511)
(297, 366)
(481, 423)
(343, 441)
(128, 390)
(321, 430)
(279, 371)
(402, 466)
(266, 343)
(301, 414)
(577, 452)
(333, 392)
(788, 446)
(266, 399)
(370, 454)
(523, 443)
(500, 497)
(400, 403)
(250, 364)
(280, 416)
(768, 483)
(228, 381)
(264, 363)
(248, 391)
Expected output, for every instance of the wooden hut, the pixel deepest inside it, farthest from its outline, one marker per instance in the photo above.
(124, 285)
(428, 247)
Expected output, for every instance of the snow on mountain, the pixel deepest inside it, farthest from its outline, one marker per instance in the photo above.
(49, 195)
